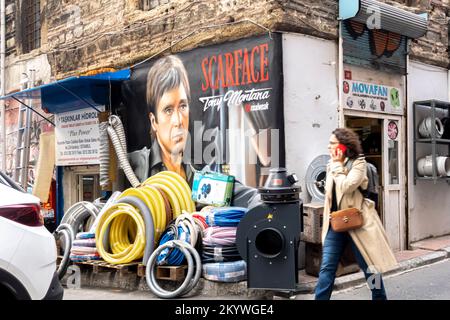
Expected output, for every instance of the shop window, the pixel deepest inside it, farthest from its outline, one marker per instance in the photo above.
(31, 25)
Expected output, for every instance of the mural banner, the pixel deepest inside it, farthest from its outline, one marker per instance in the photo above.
(220, 106)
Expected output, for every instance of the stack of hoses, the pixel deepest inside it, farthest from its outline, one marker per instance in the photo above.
(219, 245)
(84, 248)
(193, 263)
(225, 217)
(220, 254)
(74, 220)
(151, 206)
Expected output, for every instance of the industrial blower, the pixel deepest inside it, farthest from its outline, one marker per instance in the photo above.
(268, 235)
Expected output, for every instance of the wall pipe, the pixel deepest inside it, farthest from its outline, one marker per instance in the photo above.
(341, 120)
(2, 84)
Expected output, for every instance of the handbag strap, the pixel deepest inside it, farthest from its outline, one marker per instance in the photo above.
(349, 165)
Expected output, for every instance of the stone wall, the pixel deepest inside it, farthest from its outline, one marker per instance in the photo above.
(85, 35)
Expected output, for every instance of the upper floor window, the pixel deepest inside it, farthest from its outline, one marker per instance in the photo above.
(31, 25)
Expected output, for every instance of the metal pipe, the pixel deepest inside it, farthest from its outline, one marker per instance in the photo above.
(341, 120)
(2, 84)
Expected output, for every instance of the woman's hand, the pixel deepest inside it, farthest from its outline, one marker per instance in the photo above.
(337, 155)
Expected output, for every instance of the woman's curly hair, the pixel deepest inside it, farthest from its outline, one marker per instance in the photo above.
(351, 140)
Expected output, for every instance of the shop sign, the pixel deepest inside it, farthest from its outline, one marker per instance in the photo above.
(77, 138)
(371, 97)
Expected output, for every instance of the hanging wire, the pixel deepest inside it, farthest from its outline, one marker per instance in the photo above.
(203, 28)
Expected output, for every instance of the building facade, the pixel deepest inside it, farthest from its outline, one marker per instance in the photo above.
(320, 55)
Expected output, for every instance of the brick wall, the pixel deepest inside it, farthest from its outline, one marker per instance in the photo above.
(85, 35)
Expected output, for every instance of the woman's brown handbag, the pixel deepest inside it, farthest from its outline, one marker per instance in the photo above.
(346, 219)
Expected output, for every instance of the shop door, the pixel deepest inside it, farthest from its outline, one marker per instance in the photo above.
(382, 143)
(88, 187)
(394, 176)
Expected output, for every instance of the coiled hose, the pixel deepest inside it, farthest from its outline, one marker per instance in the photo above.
(191, 280)
(117, 135)
(146, 205)
(222, 236)
(176, 189)
(78, 214)
(66, 232)
(225, 217)
(73, 222)
(219, 245)
(125, 222)
(149, 226)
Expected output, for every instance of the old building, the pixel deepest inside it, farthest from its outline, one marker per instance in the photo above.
(61, 39)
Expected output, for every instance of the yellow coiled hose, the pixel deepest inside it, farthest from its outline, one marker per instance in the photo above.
(126, 223)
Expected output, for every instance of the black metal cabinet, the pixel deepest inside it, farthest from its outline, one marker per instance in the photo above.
(431, 108)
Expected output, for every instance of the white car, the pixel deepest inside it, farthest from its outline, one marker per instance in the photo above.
(27, 248)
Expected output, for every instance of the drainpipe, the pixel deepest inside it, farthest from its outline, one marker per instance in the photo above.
(2, 85)
(340, 119)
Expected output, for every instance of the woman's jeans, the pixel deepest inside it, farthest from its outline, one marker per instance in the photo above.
(333, 248)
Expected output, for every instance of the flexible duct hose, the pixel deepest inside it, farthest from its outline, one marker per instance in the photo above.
(124, 219)
(77, 215)
(117, 135)
(104, 155)
(64, 230)
(191, 279)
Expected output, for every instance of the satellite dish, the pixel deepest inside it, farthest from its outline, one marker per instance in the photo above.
(315, 178)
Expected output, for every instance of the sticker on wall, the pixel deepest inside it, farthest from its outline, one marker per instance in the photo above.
(392, 130)
(372, 97)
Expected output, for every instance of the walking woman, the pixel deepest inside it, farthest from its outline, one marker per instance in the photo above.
(346, 174)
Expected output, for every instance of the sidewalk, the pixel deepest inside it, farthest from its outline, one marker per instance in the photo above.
(423, 252)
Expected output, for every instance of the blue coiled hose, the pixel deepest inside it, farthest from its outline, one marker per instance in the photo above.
(225, 217)
(172, 256)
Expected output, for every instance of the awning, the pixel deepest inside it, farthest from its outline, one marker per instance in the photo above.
(390, 18)
(72, 93)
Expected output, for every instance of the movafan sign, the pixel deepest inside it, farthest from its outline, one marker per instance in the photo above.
(217, 105)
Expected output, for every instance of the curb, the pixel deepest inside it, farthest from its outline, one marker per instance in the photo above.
(358, 278)
(204, 288)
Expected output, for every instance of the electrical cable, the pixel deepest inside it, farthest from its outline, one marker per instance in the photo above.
(191, 279)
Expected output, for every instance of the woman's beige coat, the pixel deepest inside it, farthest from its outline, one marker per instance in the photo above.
(371, 238)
